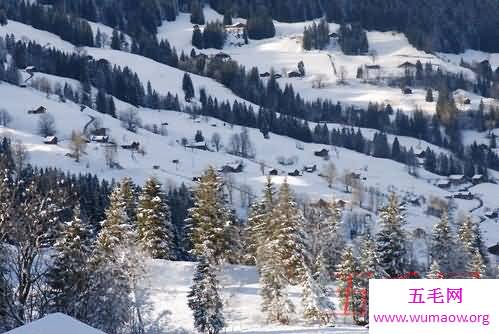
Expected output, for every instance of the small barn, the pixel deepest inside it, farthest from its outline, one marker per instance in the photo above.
(478, 178)
(236, 167)
(464, 195)
(407, 66)
(222, 56)
(100, 139)
(322, 153)
(457, 179)
(264, 75)
(277, 76)
(37, 111)
(100, 132)
(310, 168)
(198, 146)
(51, 140)
(294, 74)
(467, 101)
(407, 91)
(296, 172)
(443, 184)
(273, 172)
(133, 146)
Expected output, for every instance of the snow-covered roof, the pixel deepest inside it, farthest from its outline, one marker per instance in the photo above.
(49, 138)
(456, 177)
(477, 177)
(56, 323)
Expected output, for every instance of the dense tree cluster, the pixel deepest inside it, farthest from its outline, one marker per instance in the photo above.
(435, 26)
(316, 36)
(353, 39)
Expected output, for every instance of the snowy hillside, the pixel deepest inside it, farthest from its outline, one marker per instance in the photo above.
(241, 293)
(392, 167)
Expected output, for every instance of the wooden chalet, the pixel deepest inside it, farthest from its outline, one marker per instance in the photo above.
(51, 140)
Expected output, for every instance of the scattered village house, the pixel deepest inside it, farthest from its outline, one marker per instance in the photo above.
(296, 172)
(443, 184)
(39, 110)
(133, 146)
(235, 167)
(322, 153)
(198, 146)
(457, 179)
(294, 74)
(50, 140)
(310, 168)
(99, 139)
(478, 178)
(273, 172)
(372, 71)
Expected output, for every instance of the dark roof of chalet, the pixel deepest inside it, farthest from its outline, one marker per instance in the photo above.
(407, 64)
(494, 249)
(373, 67)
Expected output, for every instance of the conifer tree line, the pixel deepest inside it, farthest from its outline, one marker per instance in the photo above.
(99, 234)
(94, 270)
(128, 87)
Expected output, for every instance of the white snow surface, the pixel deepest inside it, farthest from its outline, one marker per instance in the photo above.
(56, 323)
(170, 283)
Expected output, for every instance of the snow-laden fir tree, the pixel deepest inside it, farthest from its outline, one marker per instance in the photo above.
(111, 303)
(466, 243)
(316, 296)
(117, 229)
(204, 298)
(370, 268)
(476, 265)
(276, 304)
(154, 228)
(325, 233)
(349, 284)
(258, 229)
(68, 276)
(443, 246)
(435, 272)
(391, 240)
(210, 218)
(287, 222)
(130, 197)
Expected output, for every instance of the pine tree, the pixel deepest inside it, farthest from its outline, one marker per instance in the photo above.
(391, 239)
(110, 265)
(316, 296)
(348, 284)
(466, 241)
(197, 38)
(197, 14)
(115, 40)
(258, 230)
(154, 229)
(204, 299)
(210, 218)
(130, 197)
(429, 95)
(435, 272)
(287, 220)
(68, 276)
(443, 246)
(273, 281)
(188, 87)
(370, 268)
(476, 265)
(117, 230)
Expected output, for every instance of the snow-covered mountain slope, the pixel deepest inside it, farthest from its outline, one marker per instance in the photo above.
(283, 52)
(56, 323)
(241, 293)
(165, 79)
(161, 151)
